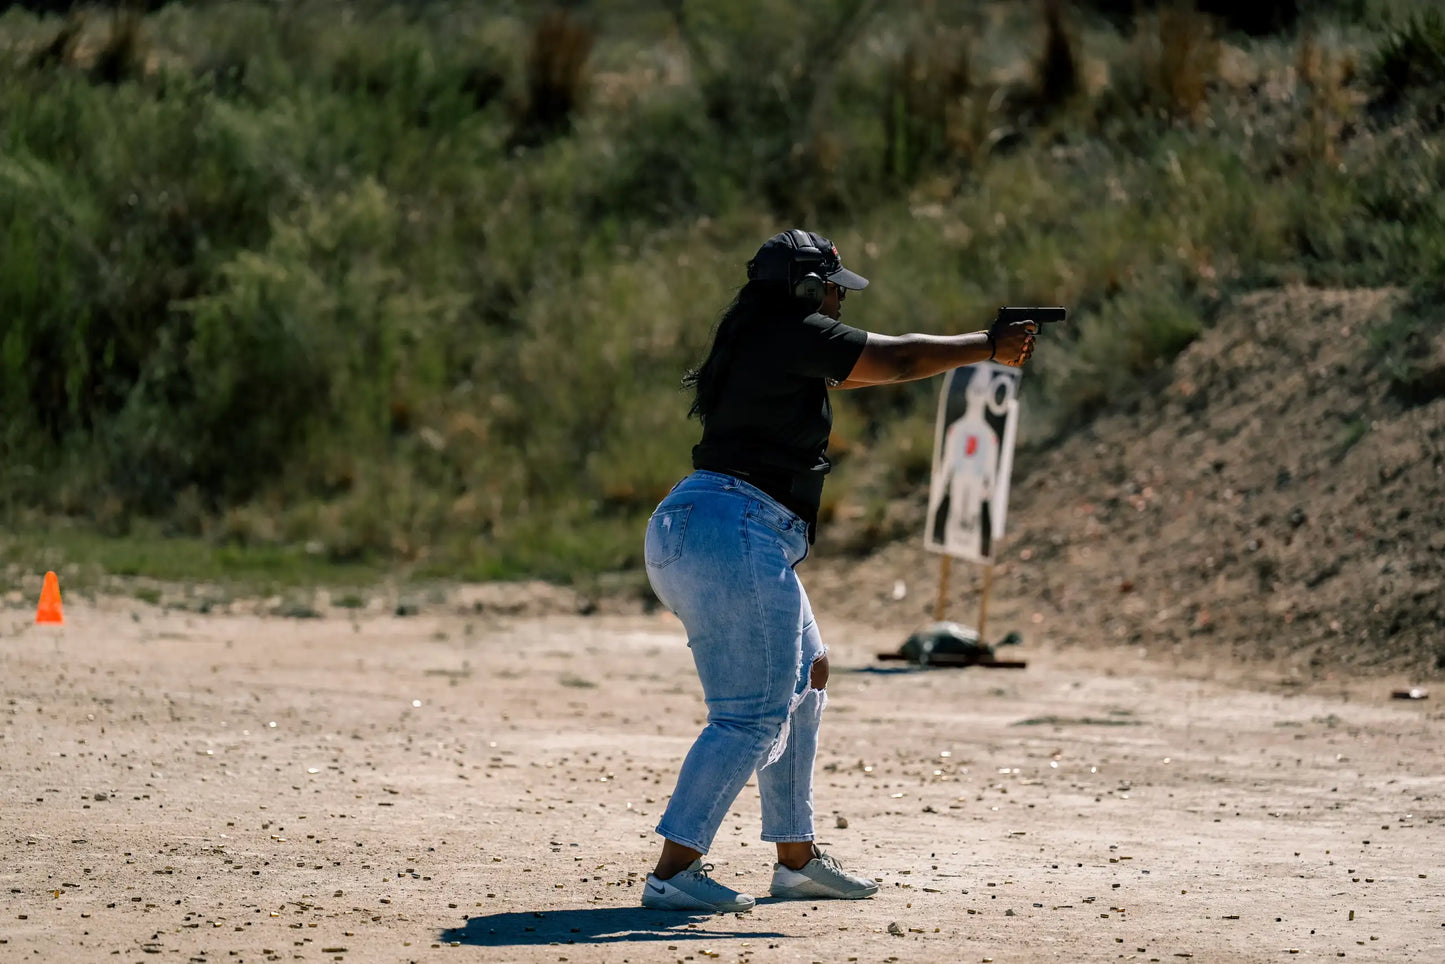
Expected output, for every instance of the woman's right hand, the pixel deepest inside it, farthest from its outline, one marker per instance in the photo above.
(1013, 342)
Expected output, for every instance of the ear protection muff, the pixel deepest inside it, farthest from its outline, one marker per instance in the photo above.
(802, 271)
(807, 285)
(810, 288)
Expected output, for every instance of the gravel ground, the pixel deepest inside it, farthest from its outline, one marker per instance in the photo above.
(455, 786)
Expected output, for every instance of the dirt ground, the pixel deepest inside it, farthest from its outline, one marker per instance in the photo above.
(455, 785)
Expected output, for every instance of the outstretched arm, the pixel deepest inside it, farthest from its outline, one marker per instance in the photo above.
(905, 358)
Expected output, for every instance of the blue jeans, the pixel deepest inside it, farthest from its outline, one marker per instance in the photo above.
(720, 554)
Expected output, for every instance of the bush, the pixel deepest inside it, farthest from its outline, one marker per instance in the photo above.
(1171, 68)
(925, 103)
(417, 281)
(1408, 68)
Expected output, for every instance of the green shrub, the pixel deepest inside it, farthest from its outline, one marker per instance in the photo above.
(925, 100)
(417, 282)
(1409, 66)
(1173, 64)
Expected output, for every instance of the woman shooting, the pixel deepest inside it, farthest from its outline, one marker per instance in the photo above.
(722, 548)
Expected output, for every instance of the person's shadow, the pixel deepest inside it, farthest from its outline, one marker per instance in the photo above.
(594, 925)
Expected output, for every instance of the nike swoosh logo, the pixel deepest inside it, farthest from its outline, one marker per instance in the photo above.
(657, 890)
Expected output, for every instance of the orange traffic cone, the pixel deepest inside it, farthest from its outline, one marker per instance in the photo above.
(49, 610)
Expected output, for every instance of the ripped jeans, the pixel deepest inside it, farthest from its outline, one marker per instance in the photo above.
(720, 554)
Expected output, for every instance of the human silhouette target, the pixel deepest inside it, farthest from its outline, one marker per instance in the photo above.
(972, 459)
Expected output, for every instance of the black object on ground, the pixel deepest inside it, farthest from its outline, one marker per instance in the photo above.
(949, 644)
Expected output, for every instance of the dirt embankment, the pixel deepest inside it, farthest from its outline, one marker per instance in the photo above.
(1274, 500)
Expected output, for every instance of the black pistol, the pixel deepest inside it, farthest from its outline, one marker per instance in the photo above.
(1044, 316)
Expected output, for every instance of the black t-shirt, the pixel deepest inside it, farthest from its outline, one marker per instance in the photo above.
(770, 423)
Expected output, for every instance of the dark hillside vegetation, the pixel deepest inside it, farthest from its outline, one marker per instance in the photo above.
(415, 282)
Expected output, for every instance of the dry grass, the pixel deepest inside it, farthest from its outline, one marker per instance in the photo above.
(1177, 58)
(1187, 61)
(1323, 84)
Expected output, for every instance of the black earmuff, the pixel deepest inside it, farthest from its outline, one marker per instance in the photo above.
(800, 266)
(809, 286)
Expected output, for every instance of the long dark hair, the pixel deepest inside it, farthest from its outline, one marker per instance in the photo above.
(756, 302)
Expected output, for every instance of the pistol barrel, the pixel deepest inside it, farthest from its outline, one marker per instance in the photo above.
(1043, 316)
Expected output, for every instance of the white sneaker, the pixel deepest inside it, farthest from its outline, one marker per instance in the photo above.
(693, 889)
(820, 877)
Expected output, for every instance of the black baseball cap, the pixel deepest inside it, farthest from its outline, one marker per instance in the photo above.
(788, 255)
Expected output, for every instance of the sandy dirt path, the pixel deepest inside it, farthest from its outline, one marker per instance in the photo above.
(453, 787)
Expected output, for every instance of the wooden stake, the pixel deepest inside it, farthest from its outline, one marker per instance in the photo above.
(940, 605)
(983, 601)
